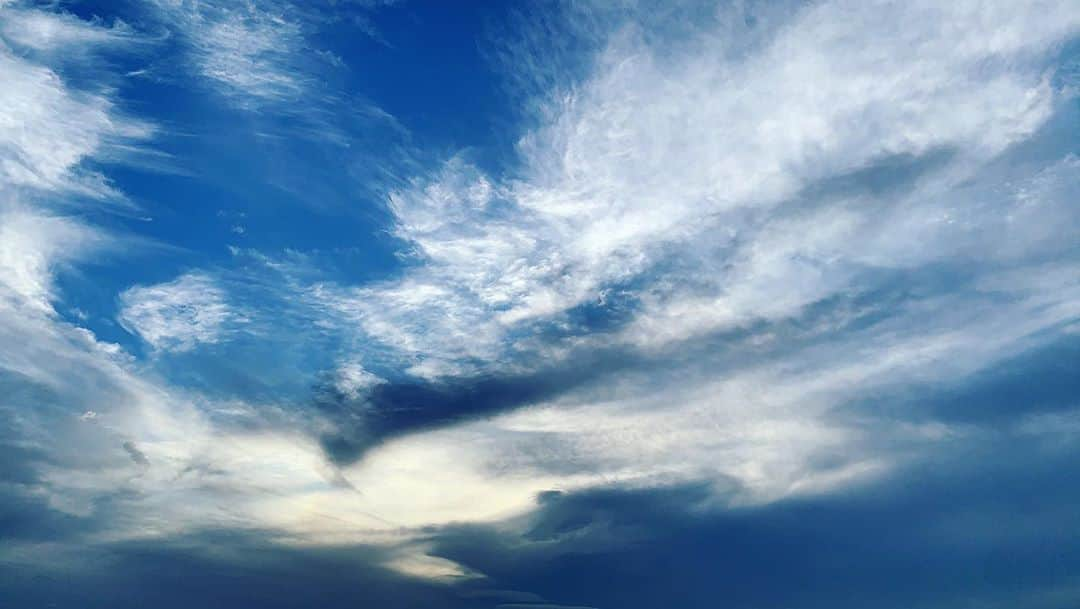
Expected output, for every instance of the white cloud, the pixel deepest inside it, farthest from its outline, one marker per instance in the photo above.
(758, 432)
(791, 262)
(246, 54)
(250, 52)
(179, 315)
(696, 160)
(416, 563)
(353, 381)
(255, 54)
(47, 130)
(43, 31)
(32, 246)
(107, 426)
(715, 183)
(691, 156)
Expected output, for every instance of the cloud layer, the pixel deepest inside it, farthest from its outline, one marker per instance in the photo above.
(748, 270)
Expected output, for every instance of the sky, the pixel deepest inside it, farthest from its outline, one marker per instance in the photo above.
(627, 304)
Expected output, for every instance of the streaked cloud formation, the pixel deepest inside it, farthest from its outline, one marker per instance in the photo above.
(736, 274)
(248, 51)
(178, 315)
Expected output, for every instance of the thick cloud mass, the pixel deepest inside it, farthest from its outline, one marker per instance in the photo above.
(585, 305)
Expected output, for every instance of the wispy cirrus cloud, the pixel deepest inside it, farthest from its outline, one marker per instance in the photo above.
(46, 32)
(49, 130)
(179, 315)
(33, 247)
(249, 52)
(688, 155)
(49, 134)
(257, 55)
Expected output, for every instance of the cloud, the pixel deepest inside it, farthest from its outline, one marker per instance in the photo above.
(47, 130)
(246, 55)
(604, 205)
(179, 315)
(136, 455)
(908, 540)
(248, 52)
(160, 573)
(255, 54)
(32, 248)
(786, 201)
(353, 381)
(711, 258)
(42, 31)
(696, 159)
(787, 231)
(50, 133)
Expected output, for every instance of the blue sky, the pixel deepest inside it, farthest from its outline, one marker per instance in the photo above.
(611, 305)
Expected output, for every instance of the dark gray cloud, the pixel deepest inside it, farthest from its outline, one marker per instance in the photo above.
(213, 569)
(993, 521)
(1042, 380)
(137, 456)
